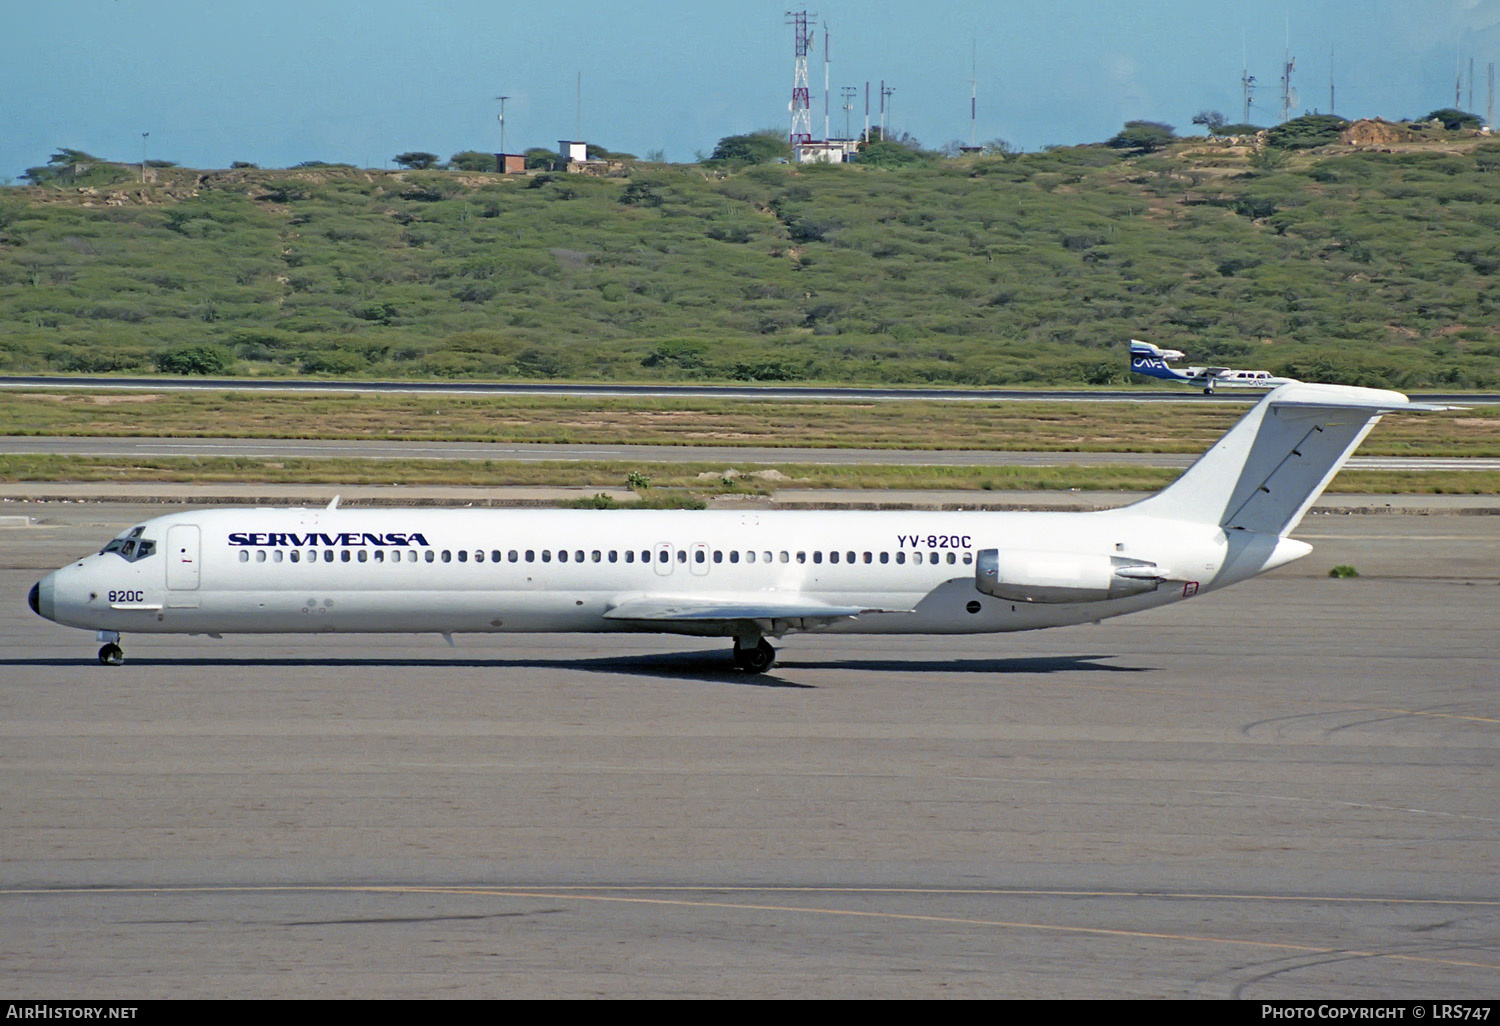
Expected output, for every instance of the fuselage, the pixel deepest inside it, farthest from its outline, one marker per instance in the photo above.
(420, 570)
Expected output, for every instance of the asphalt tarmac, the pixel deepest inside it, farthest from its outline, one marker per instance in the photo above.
(1289, 789)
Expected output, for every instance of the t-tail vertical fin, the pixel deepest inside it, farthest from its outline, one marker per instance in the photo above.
(1271, 466)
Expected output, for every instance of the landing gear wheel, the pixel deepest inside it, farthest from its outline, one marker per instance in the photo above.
(111, 655)
(757, 659)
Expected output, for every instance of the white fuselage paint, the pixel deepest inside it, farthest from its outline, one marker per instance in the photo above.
(242, 577)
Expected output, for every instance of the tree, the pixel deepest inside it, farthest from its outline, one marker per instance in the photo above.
(1307, 131)
(600, 153)
(244, 165)
(1209, 119)
(1453, 120)
(59, 166)
(894, 153)
(204, 359)
(417, 160)
(1145, 136)
(471, 160)
(761, 147)
(540, 158)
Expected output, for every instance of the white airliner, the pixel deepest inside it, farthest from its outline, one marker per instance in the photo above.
(1156, 362)
(746, 576)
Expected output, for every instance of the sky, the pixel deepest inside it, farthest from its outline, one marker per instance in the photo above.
(277, 82)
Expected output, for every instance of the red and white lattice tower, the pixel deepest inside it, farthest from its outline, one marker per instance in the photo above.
(801, 132)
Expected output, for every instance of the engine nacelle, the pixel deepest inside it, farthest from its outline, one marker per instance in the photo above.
(1017, 575)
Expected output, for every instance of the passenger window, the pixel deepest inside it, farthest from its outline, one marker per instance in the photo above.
(546, 555)
(614, 555)
(833, 557)
(562, 555)
(885, 557)
(802, 557)
(597, 556)
(952, 559)
(328, 555)
(495, 556)
(968, 558)
(766, 556)
(851, 557)
(786, 557)
(750, 556)
(718, 556)
(664, 556)
(734, 555)
(260, 555)
(578, 556)
(682, 555)
(431, 556)
(818, 557)
(364, 557)
(630, 555)
(868, 557)
(513, 556)
(901, 557)
(463, 556)
(380, 555)
(244, 555)
(479, 555)
(278, 556)
(296, 556)
(698, 556)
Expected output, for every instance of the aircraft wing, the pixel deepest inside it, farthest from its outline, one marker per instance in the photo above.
(709, 610)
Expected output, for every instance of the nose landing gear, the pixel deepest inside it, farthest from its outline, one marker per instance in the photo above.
(111, 654)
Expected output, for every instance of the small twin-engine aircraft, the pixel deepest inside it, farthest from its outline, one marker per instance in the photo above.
(1156, 362)
(745, 576)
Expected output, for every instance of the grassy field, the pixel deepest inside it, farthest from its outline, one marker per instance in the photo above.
(1005, 426)
(1343, 265)
(666, 480)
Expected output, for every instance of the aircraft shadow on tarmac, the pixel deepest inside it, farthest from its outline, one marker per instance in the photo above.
(712, 667)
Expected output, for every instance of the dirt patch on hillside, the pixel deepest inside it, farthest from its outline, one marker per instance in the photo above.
(1374, 132)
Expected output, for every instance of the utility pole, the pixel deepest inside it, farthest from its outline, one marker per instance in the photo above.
(143, 156)
(848, 93)
(502, 100)
(1247, 80)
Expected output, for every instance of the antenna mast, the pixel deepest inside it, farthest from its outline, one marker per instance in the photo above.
(973, 88)
(1289, 64)
(801, 130)
(1247, 83)
(826, 136)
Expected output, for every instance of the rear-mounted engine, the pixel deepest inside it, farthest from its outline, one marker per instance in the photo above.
(1020, 576)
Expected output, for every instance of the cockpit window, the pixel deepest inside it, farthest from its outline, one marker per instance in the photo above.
(131, 546)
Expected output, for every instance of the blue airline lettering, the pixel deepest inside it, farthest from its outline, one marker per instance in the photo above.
(279, 538)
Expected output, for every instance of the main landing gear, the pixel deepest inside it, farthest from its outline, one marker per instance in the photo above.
(111, 654)
(755, 658)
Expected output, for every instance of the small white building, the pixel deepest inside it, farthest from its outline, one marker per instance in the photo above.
(573, 152)
(827, 151)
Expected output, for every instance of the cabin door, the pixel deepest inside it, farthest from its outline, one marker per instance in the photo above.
(182, 557)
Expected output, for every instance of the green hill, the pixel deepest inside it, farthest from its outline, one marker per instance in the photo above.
(1354, 265)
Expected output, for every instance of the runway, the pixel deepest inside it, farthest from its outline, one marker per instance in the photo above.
(1284, 790)
(832, 393)
(726, 455)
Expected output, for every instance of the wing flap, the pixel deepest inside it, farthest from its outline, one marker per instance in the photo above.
(726, 609)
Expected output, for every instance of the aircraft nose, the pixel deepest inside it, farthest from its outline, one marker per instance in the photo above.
(40, 597)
